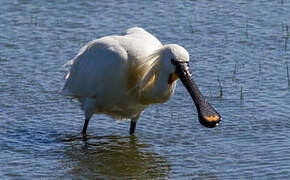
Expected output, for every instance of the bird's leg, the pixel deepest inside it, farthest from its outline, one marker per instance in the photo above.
(84, 132)
(89, 106)
(133, 123)
(132, 127)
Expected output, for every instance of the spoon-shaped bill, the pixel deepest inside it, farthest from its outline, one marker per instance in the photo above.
(207, 115)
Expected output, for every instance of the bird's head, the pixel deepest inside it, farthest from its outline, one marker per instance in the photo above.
(173, 52)
(175, 60)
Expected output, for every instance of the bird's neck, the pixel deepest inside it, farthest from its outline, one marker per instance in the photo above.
(157, 90)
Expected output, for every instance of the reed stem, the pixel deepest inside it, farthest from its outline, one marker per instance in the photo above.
(221, 88)
(288, 76)
(241, 93)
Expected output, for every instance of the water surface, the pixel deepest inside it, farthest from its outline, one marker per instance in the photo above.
(241, 44)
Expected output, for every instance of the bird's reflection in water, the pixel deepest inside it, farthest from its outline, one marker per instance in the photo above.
(114, 157)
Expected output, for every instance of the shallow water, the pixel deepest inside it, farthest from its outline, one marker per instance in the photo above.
(242, 44)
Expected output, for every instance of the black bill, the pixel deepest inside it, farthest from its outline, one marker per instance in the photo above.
(207, 115)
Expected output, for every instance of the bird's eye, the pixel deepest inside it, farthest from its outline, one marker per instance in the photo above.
(173, 61)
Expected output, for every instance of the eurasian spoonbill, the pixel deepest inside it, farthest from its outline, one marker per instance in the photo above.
(121, 76)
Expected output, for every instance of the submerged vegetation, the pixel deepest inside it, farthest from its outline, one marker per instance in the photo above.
(220, 95)
(288, 78)
(241, 93)
(286, 37)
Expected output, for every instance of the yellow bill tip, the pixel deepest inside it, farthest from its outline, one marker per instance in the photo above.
(212, 118)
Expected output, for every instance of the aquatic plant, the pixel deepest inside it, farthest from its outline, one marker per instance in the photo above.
(288, 78)
(220, 87)
(286, 38)
(235, 71)
(241, 93)
(246, 32)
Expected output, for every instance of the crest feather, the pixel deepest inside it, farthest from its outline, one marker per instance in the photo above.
(145, 73)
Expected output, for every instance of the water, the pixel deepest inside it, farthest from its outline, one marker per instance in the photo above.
(244, 44)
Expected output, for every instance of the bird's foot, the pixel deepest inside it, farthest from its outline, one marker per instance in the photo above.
(84, 135)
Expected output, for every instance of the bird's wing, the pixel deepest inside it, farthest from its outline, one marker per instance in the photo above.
(140, 43)
(106, 59)
(97, 62)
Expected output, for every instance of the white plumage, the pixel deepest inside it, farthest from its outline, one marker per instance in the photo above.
(120, 76)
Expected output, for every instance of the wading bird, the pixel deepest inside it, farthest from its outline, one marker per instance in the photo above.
(121, 76)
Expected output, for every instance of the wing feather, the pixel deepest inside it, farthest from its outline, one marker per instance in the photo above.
(90, 68)
(106, 58)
